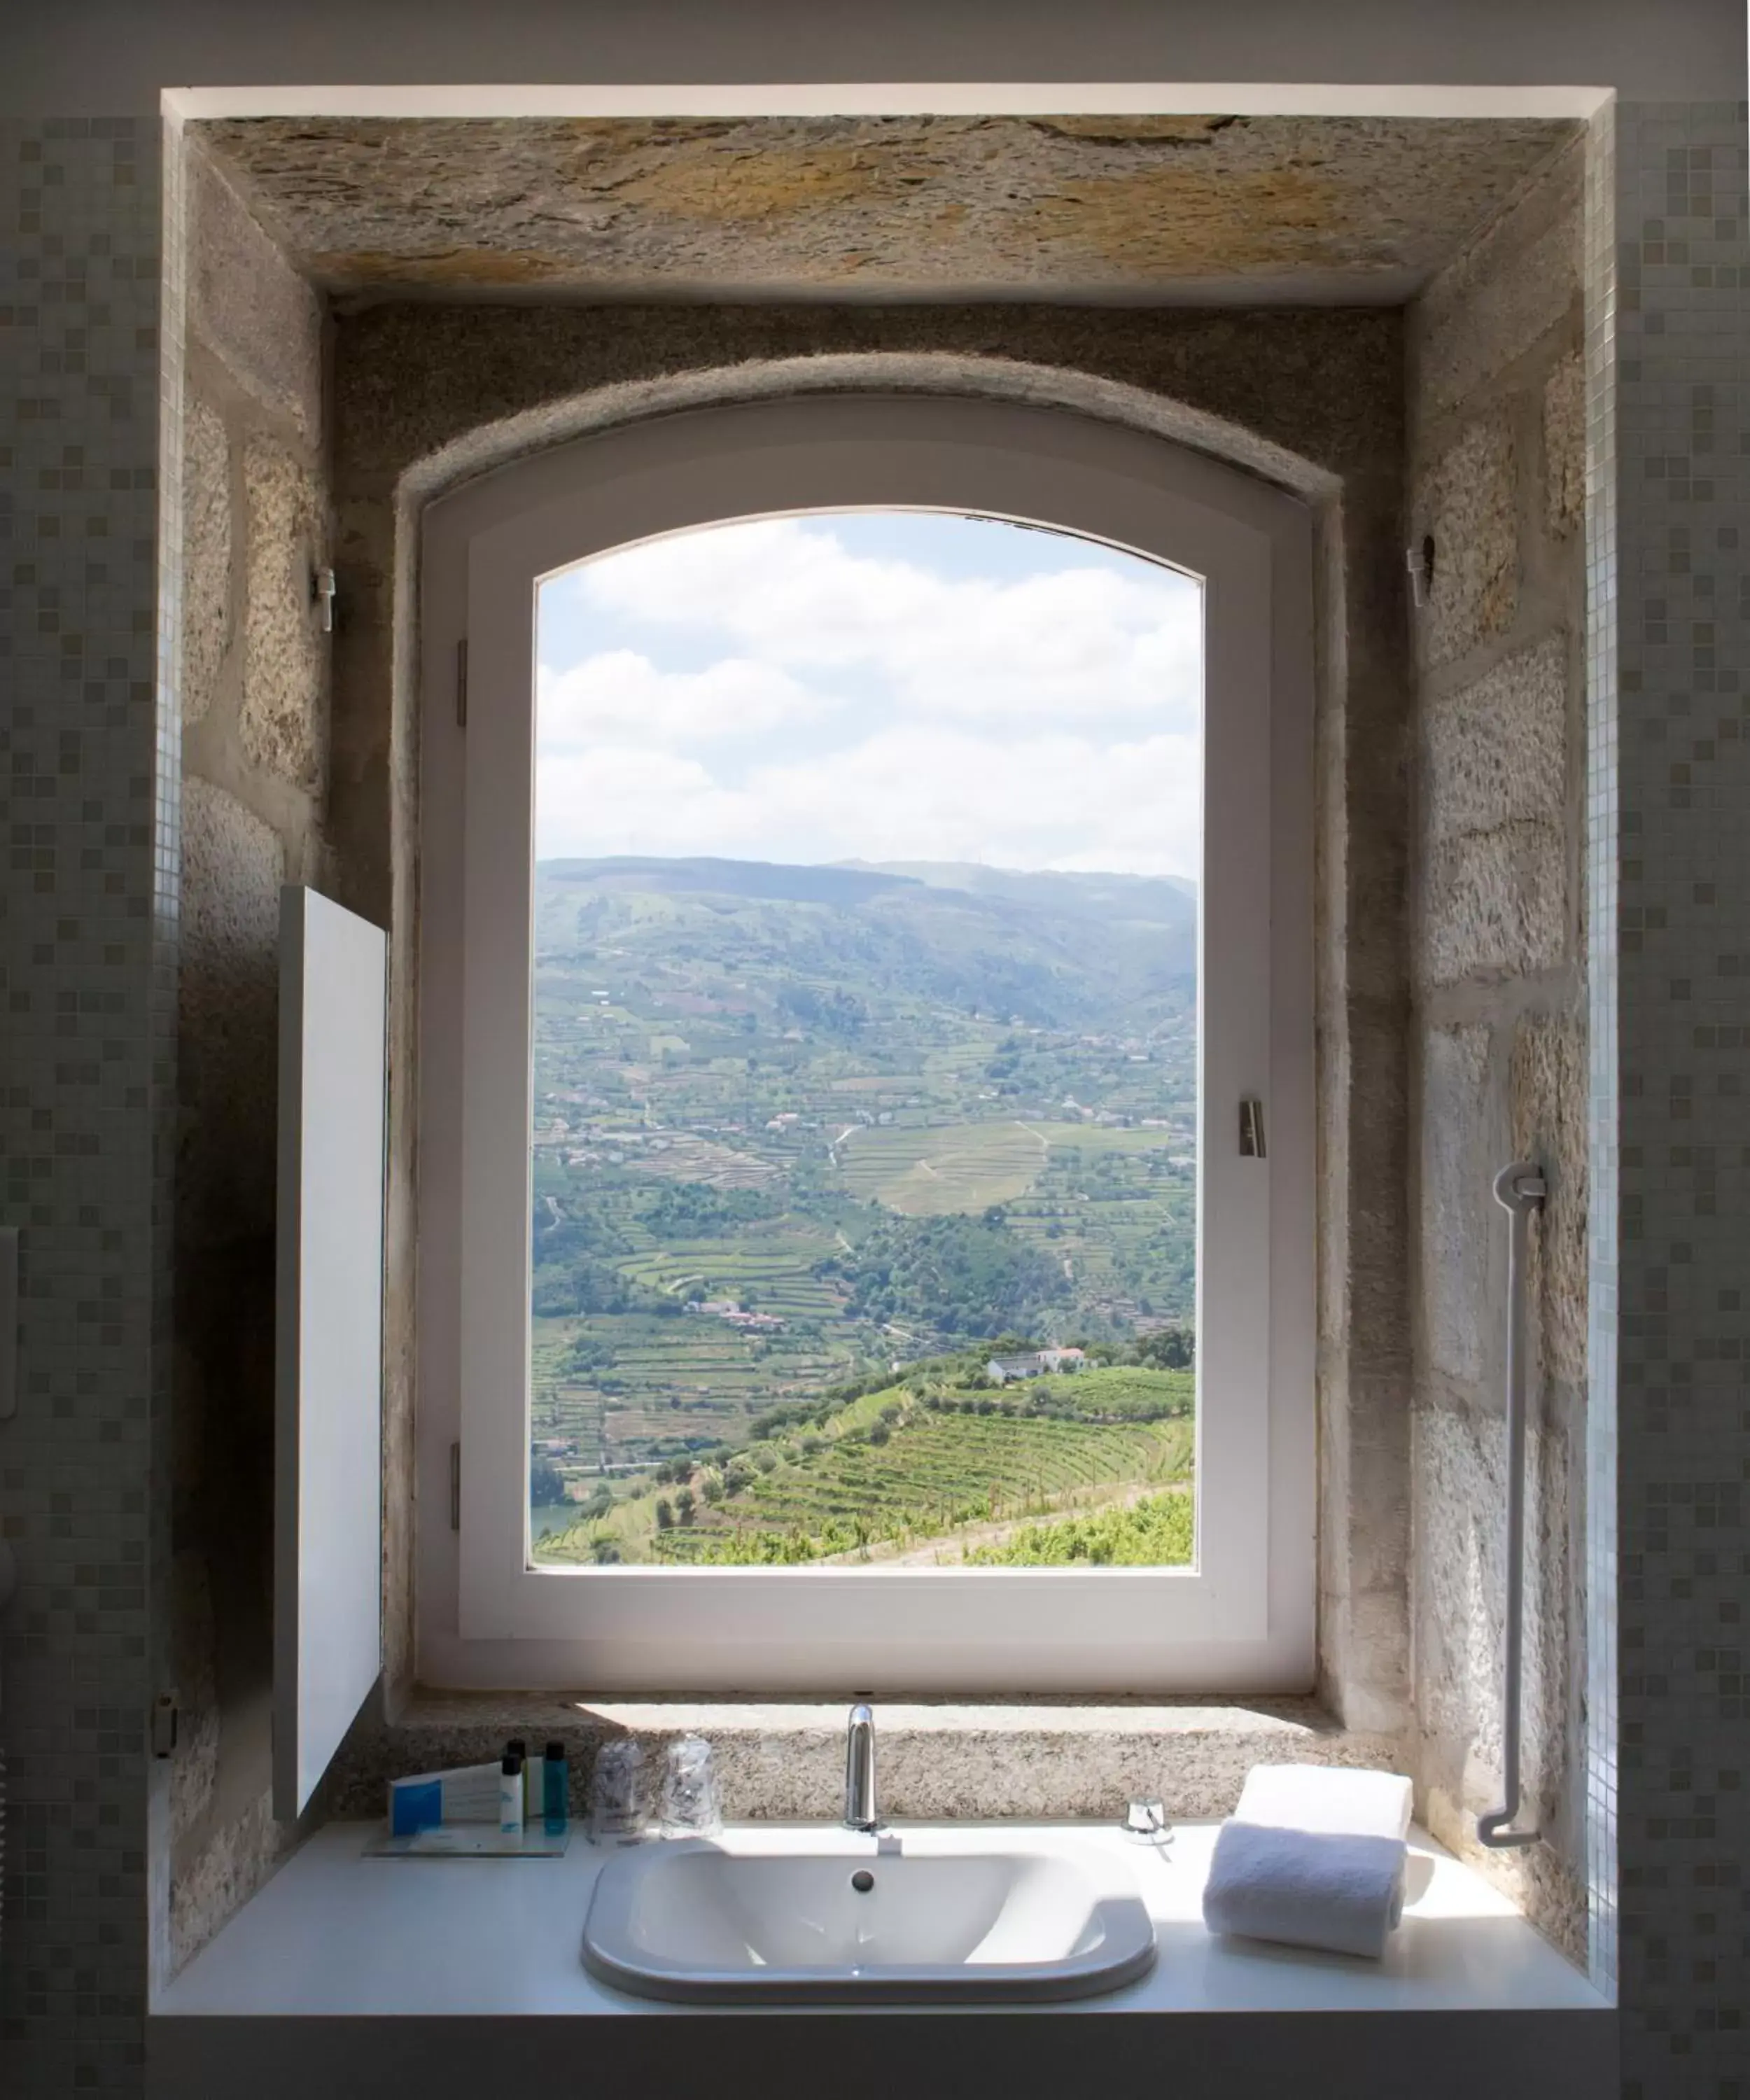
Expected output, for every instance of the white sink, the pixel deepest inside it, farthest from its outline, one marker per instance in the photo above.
(818, 1914)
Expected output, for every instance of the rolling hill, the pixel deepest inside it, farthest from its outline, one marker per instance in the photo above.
(1099, 952)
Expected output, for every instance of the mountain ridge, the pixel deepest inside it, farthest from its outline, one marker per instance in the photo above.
(1056, 949)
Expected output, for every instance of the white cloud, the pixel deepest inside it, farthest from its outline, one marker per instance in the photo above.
(1043, 720)
(622, 799)
(788, 593)
(913, 791)
(621, 692)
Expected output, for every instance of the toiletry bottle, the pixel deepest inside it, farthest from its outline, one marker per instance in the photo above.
(519, 1748)
(556, 1790)
(510, 1796)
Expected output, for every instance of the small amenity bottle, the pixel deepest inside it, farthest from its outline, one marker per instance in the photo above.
(510, 1796)
(556, 1792)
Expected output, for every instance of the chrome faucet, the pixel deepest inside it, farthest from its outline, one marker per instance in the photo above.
(860, 1772)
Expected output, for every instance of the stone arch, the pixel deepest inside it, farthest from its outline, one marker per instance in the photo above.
(1065, 387)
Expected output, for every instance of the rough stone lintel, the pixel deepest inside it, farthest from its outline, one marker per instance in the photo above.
(248, 304)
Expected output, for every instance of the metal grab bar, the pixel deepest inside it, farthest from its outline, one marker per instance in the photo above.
(1519, 1189)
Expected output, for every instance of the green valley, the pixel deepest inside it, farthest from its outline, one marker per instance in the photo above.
(812, 1147)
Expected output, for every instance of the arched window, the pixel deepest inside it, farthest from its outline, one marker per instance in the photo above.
(866, 1230)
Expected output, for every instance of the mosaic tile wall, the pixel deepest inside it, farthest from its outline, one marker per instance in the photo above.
(85, 917)
(1683, 445)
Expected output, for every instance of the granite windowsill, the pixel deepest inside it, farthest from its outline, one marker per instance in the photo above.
(784, 1760)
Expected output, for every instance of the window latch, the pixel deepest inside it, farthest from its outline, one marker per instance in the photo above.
(1251, 1127)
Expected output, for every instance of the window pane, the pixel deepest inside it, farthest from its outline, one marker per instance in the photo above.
(865, 1050)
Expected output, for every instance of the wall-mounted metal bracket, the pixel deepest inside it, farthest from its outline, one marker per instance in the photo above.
(1419, 561)
(322, 590)
(164, 1718)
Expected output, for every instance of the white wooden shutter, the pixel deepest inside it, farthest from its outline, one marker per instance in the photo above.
(327, 1492)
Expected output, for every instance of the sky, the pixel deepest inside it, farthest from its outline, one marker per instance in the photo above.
(874, 685)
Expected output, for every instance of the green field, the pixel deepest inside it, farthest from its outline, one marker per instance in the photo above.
(1153, 1533)
(927, 1173)
(929, 1469)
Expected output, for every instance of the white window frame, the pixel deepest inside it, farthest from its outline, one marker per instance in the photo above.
(1242, 1619)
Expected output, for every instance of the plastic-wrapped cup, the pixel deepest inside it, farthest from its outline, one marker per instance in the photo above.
(620, 1795)
(691, 1805)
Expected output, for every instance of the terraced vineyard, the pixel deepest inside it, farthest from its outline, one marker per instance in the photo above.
(1153, 1533)
(931, 1172)
(818, 1131)
(904, 1475)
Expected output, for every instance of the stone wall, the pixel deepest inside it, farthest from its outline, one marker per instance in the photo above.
(1496, 498)
(254, 685)
(426, 394)
(279, 787)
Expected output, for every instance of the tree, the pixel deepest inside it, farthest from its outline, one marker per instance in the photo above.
(1168, 1348)
(685, 1503)
(546, 1483)
(664, 1514)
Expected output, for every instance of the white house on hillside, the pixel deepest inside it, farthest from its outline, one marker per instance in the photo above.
(1036, 1363)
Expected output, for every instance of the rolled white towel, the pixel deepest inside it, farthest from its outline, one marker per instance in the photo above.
(1308, 1888)
(1358, 1804)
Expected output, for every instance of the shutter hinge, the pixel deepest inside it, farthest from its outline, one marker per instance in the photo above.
(455, 1487)
(164, 1721)
(462, 683)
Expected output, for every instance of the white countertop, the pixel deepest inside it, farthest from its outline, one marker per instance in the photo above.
(335, 1933)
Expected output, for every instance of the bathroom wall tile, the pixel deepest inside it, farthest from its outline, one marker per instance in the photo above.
(1678, 743)
(84, 988)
